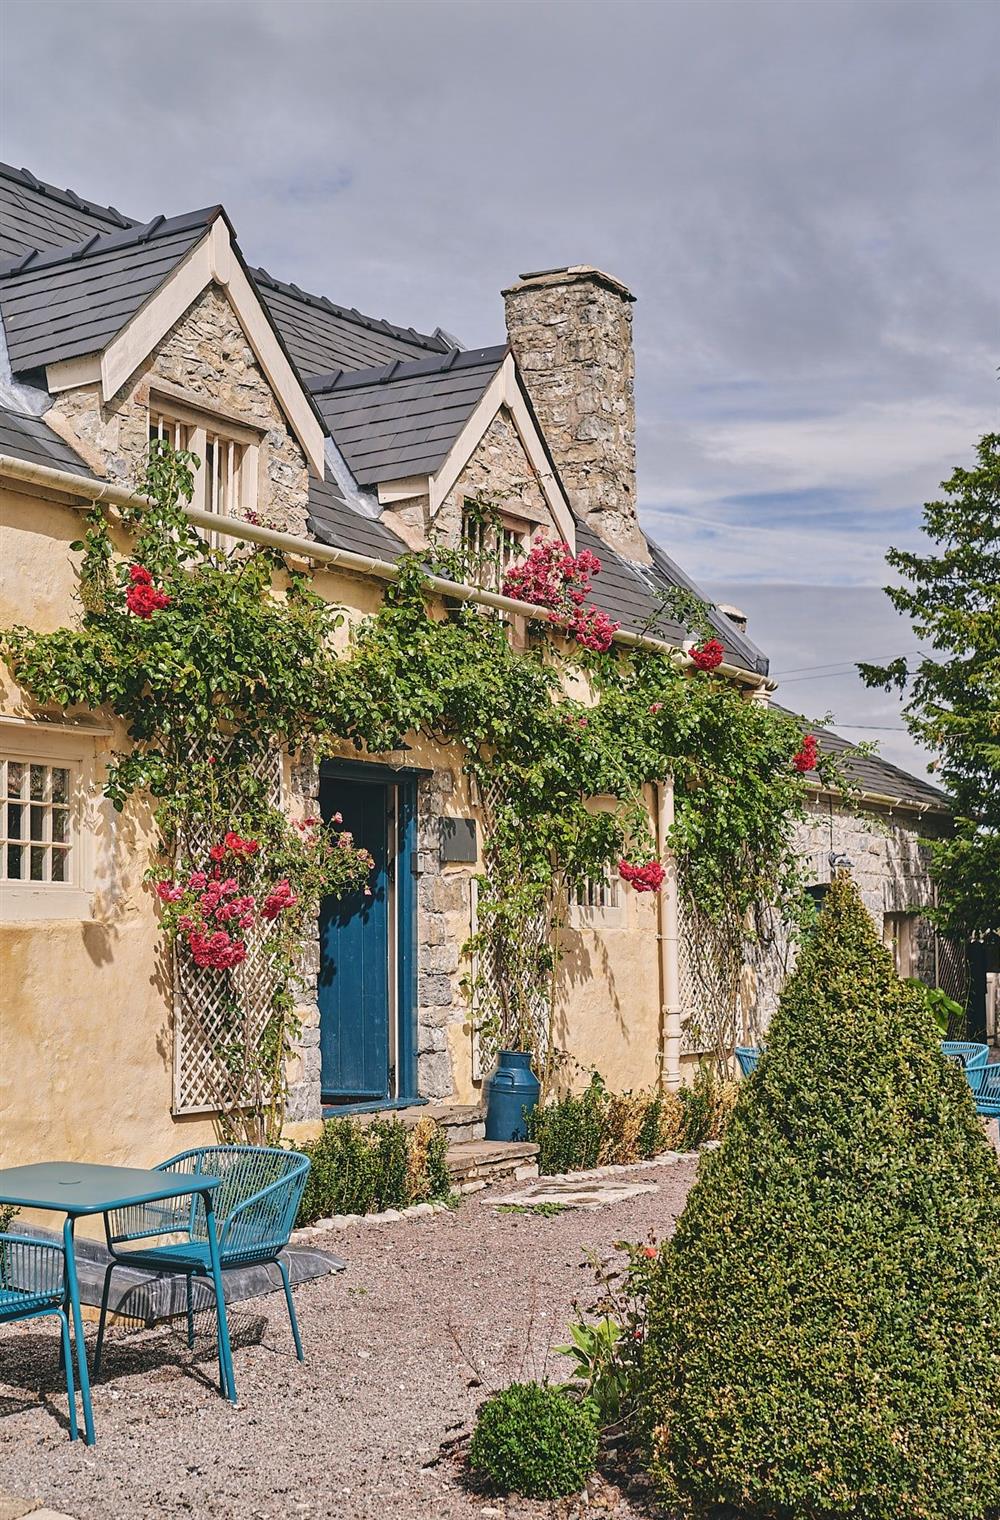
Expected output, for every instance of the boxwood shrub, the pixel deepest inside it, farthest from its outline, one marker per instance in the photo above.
(824, 1335)
(535, 1440)
(362, 1168)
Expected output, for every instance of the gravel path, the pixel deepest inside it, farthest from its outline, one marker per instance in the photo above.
(355, 1432)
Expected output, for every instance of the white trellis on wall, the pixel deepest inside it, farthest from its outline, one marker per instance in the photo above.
(205, 1026)
(491, 975)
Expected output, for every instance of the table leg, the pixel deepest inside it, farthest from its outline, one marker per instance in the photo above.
(225, 1353)
(69, 1246)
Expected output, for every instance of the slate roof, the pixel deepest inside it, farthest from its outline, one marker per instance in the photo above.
(333, 522)
(403, 418)
(875, 776)
(64, 302)
(322, 336)
(36, 215)
(27, 437)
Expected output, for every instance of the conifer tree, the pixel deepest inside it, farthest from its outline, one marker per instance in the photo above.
(825, 1330)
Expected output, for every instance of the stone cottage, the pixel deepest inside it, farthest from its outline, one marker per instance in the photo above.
(354, 439)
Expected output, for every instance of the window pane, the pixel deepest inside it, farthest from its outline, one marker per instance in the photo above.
(38, 782)
(60, 825)
(14, 863)
(15, 777)
(59, 865)
(38, 823)
(37, 862)
(60, 785)
(15, 822)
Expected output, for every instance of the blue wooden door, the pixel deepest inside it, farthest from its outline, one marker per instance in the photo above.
(354, 1001)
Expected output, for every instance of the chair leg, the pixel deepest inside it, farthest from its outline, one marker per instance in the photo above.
(67, 1361)
(99, 1348)
(190, 1313)
(291, 1309)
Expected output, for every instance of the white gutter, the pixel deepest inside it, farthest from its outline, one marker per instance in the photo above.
(96, 491)
(668, 937)
(882, 799)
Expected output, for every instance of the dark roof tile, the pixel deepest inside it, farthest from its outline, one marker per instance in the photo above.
(36, 215)
(27, 437)
(874, 776)
(403, 418)
(333, 522)
(65, 302)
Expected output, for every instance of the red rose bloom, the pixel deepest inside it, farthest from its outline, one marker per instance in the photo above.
(142, 598)
(647, 878)
(805, 759)
(708, 656)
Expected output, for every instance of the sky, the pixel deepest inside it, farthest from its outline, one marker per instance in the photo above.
(802, 196)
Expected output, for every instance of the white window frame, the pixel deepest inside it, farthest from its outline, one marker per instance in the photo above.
(598, 904)
(61, 746)
(481, 540)
(194, 428)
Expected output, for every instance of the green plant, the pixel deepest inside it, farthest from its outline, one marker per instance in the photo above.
(364, 1168)
(541, 1210)
(570, 1130)
(535, 1440)
(948, 1015)
(7, 1213)
(608, 1350)
(952, 598)
(824, 1333)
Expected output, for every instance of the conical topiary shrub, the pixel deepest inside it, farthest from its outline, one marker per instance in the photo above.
(825, 1330)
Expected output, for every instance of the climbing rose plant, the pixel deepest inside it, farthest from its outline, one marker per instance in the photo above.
(216, 660)
(554, 577)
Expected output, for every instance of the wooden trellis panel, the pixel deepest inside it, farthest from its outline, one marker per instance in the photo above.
(212, 1009)
(490, 1021)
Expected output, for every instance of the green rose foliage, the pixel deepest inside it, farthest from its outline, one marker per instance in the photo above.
(825, 1330)
(535, 1440)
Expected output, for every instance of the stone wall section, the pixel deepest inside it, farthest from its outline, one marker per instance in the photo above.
(891, 868)
(571, 332)
(206, 355)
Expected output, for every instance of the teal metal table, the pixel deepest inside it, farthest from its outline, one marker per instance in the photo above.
(78, 1189)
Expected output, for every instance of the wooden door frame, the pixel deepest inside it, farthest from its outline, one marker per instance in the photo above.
(402, 927)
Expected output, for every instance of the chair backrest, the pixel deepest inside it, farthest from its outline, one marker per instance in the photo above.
(986, 1087)
(259, 1196)
(967, 1053)
(748, 1056)
(31, 1267)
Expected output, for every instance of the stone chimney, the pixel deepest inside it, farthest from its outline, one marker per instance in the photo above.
(571, 332)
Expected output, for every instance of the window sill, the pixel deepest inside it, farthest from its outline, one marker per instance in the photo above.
(48, 904)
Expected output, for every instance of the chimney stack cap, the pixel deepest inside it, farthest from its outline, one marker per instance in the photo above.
(570, 274)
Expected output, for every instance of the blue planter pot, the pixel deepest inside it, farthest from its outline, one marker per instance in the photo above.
(513, 1091)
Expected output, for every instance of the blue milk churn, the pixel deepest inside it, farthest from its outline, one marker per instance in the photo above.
(513, 1093)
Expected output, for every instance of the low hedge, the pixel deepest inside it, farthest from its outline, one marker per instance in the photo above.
(535, 1440)
(602, 1128)
(363, 1168)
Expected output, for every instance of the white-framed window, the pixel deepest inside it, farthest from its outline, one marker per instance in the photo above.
(47, 789)
(597, 902)
(493, 547)
(898, 935)
(36, 823)
(226, 480)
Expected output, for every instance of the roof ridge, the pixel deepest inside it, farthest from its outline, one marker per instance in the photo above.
(436, 342)
(404, 369)
(65, 197)
(107, 242)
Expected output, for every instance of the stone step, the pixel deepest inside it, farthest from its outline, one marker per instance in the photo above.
(460, 1121)
(472, 1164)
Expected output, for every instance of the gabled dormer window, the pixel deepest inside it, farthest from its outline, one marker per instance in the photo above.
(229, 451)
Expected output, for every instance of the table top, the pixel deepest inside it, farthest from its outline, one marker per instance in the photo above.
(81, 1187)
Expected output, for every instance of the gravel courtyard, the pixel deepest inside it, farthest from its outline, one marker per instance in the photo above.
(365, 1428)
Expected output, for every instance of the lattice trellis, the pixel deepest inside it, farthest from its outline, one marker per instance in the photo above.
(707, 992)
(205, 1025)
(491, 973)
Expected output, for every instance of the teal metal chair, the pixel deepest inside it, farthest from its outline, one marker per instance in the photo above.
(255, 1208)
(966, 1053)
(748, 1056)
(33, 1285)
(986, 1089)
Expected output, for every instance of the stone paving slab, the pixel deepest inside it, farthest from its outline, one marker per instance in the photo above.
(14, 1509)
(572, 1193)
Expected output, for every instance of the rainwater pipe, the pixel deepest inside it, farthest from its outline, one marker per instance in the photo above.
(668, 941)
(92, 492)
